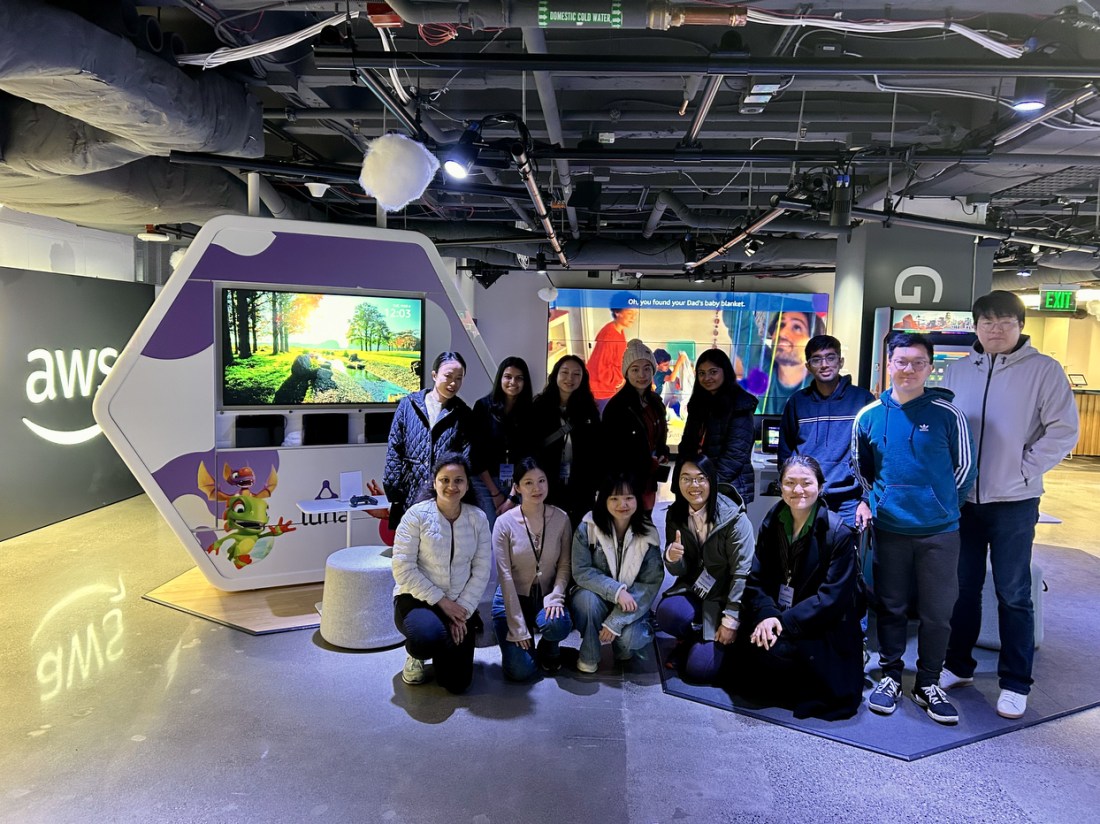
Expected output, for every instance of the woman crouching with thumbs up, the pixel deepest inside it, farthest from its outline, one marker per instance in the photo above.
(709, 549)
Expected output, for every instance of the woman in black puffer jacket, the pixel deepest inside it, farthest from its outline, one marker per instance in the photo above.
(427, 424)
(720, 422)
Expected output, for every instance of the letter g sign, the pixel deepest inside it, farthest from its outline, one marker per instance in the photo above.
(914, 294)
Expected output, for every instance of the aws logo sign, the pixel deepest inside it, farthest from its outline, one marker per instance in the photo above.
(67, 375)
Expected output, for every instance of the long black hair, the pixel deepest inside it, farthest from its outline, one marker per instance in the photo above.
(701, 399)
(581, 403)
(620, 483)
(680, 509)
(427, 493)
(526, 394)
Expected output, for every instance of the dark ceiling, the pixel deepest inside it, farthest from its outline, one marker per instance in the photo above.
(645, 146)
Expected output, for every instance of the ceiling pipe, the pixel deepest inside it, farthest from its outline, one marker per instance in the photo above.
(698, 220)
(749, 230)
(724, 63)
(953, 227)
(391, 103)
(535, 43)
(523, 165)
(714, 83)
(592, 14)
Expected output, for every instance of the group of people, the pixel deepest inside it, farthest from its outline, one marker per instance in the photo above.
(561, 497)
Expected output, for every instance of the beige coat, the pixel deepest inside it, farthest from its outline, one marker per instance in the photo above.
(515, 559)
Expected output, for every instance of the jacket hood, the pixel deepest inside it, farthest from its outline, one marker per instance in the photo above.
(728, 509)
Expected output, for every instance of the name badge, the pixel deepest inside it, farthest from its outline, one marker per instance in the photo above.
(786, 597)
(703, 584)
(563, 473)
(507, 472)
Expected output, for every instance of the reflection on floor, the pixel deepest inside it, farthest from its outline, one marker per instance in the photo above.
(117, 709)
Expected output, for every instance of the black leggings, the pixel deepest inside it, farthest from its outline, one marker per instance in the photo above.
(427, 631)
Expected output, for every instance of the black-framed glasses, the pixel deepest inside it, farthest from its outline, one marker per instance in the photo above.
(831, 359)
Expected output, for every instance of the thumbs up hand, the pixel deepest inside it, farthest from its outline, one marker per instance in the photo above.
(675, 550)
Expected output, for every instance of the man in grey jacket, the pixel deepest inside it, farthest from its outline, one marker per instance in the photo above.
(1021, 411)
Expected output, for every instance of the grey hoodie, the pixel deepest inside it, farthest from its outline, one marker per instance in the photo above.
(1022, 416)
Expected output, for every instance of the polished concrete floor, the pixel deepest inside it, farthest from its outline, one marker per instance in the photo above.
(116, 709)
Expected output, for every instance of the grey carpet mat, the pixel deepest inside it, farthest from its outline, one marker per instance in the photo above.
(1065, 678)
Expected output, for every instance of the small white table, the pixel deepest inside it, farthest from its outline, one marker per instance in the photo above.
(333, 505)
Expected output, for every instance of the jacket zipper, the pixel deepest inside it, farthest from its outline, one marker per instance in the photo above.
(981, 431)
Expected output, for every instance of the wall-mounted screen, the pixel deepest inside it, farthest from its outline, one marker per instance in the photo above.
(287, 349)
(765, 334)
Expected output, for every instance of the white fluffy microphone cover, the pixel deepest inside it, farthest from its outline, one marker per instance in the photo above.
(396, 170)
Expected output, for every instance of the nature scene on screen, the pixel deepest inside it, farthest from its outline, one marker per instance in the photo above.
(294, 348)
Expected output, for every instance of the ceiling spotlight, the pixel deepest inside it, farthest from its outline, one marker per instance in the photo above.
(153, 235)
(317, 189)
(698, 277)
(1031, 94)
(461, 157)
(540, 263)
(1024, 271)
(752, 246)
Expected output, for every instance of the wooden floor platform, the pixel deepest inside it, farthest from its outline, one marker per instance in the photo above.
(257, 612)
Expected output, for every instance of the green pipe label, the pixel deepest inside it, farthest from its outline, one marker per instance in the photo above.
(551, 17)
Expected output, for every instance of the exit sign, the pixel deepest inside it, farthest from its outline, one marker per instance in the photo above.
(1058, 300)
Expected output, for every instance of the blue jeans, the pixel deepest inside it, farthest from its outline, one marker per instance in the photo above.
(1006, 531)
(484, 499)
(589, 612)
(520, 664)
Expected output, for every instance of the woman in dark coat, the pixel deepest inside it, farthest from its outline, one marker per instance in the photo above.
(427, 424)
(565, 437)
(501, 431)
(720, 422)
(635, 426)
(802, 605)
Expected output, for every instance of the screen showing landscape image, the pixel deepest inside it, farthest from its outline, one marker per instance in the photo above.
(305, 348)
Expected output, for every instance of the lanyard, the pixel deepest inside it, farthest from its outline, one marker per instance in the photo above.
(536, 541)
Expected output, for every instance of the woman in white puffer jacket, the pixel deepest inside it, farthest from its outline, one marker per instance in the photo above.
(441, 560)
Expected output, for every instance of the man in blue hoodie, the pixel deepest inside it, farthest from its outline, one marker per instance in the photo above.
(912, 451)
(817, 421)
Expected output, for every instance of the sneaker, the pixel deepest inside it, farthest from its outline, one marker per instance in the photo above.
(948, 680)
(584, 666)
(1011, 704)
(413, 672)
(935, 703)
(548, 663)
(884, 697)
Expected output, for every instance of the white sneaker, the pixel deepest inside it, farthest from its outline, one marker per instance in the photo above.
(1011, 704)
(948, 680)
(413, 672)
(584, 666)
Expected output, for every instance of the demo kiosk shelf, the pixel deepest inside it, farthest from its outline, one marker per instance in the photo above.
(270, 364)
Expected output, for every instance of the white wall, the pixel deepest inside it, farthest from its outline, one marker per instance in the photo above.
(1073, 342)
(45, 244)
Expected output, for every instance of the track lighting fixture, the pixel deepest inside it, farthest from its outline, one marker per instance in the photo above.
(461, 157)
(1031, 94)
(752, 246)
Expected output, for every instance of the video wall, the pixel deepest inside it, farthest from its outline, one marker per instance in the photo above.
(764, 333)
(289, 349)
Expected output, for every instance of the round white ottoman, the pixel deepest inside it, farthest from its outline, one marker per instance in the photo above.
(357, 610)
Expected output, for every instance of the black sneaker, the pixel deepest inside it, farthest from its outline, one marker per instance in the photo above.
(935, 703)
(884, 697)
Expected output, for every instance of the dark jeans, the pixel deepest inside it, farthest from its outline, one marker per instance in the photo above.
(520, 664)
(428, 635)
(931, 561)
(1006, 531)
(681, 616)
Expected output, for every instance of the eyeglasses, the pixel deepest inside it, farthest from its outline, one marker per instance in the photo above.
(1006, 325)
(821, 360)
(694, 480)
(911, 365)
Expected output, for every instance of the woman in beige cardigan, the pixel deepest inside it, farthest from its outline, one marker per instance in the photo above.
(531, 544)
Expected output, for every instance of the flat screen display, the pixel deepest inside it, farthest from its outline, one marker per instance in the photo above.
(769, 434)
(288, 349)
(764, 333)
